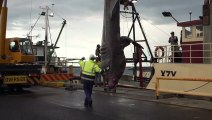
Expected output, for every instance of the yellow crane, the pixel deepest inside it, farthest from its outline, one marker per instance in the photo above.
(16, 57)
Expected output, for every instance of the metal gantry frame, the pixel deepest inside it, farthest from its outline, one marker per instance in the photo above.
(136, 58)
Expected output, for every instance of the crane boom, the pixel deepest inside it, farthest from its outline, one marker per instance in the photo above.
(3, 26)
(50, 55)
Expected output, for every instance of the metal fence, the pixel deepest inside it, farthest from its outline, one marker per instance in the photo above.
(185, 53)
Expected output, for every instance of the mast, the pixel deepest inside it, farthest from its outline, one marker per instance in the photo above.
(46, 37)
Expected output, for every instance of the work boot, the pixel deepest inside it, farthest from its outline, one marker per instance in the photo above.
(90, 103)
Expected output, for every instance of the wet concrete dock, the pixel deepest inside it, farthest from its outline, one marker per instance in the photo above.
(45, 103)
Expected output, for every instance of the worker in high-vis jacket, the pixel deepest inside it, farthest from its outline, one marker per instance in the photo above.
(88, 71)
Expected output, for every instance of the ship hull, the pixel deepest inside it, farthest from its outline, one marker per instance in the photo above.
(198, 72)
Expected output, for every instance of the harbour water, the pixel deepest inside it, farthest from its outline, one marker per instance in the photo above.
(128, 75)
(128, 71)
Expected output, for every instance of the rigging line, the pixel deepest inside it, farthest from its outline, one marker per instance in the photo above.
(127, 23)
(126, 18)
(57, 14)
(131, 47)
(34, 25)
(66, 41)
(124, 21)
(56, 29)
(50, 35)
(149, 36)
(155, 26)
(197, 87)
(152, 39)
(30, 14)
(149, 51)
(123, 28)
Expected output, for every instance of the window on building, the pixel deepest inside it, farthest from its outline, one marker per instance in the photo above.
(188, 32)
(199, 31)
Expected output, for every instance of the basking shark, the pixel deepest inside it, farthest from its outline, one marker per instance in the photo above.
(113, 60)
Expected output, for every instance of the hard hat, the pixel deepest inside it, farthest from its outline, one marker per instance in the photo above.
(92, 57)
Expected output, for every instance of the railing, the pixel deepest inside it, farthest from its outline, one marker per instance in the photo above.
(59, 61)
(185, 52)
(157, 86)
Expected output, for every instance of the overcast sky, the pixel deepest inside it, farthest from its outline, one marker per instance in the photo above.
(85, 20)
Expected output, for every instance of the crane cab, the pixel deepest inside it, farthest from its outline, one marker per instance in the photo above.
(18, 50)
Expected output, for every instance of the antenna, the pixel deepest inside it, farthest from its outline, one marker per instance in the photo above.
(190, 14)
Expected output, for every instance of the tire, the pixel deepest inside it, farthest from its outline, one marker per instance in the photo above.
(156, 51)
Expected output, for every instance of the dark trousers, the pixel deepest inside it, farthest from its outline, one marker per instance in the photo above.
(88, 87)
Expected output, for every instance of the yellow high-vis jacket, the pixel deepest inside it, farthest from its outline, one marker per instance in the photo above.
(89, 69)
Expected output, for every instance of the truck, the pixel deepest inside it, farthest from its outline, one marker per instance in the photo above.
(17, 60)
